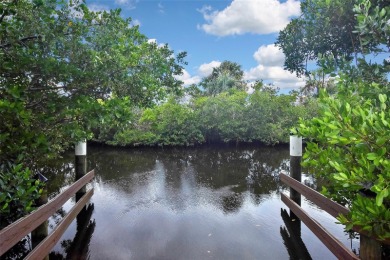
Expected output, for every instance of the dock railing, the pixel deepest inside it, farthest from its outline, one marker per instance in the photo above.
(15, 232)
(370, 247)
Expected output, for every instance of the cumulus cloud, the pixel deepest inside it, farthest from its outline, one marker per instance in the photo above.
(206, 68)
(270, 68)
(188, 79)
(203, 71)
(269, 55)
(243, 16)
(275, 74)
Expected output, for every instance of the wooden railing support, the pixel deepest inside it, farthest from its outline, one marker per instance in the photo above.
(320, 200)
(42, 231)
(80, 165)
(369, 248)
(13, 233)
(295, 167)
(43, 249)
(335, 246)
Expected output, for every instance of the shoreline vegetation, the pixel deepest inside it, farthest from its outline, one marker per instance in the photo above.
(230, 117)
(76, 74)
(232, 144)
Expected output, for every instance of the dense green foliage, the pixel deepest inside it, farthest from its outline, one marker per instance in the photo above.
(228, 75)
(349, 139)
(351, 151)
(326, 33)
(64, 71)
(235, 116)
(18, 190)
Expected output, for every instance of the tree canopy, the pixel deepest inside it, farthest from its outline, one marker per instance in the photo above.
(348, 141)
(335, 34)
(64, 70)
(228, 75)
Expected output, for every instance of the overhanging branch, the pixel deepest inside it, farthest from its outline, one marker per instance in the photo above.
(23, 40)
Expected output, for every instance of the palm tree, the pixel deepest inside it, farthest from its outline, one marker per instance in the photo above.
(227, 76)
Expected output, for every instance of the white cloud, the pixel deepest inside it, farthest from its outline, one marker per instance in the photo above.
(135, 22)
(275, 74)
(128, 4)
(152, 41)
(269, 55)
(255, 16)
(270, 68)
(206, 68)
(203, 71)
(98, 8)
(188, 79)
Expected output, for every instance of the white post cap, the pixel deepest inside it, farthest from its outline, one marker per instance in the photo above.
(295, 145)
(81, 148)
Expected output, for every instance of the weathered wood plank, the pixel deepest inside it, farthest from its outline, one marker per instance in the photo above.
(43, 249)
(320, 200)
(335, 246)
(324, 203)
(13, 233)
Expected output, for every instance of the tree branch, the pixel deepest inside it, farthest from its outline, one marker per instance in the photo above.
(47, 88)
(25, 39)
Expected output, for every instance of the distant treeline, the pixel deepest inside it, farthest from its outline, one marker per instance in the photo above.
(236, 116)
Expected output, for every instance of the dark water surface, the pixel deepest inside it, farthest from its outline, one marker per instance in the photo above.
(194, 203)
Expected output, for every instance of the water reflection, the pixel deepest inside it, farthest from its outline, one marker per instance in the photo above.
(291, 234)
(78, 247)
(178, 175)
(193, 203)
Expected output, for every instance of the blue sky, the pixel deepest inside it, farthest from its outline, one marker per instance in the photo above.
(241, 31)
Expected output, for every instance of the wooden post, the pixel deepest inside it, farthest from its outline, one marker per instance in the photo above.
(369, 248)
(42, 231)
(81, 165)
(295, 168)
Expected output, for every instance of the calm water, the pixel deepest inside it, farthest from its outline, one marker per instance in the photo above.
(196, 203)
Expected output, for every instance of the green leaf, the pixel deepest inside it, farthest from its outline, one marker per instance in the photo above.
(382, 98)
(372, 156)
(380, 196)
(371, 210)
(341, 176)
(383, 12)
(5, 206)
(381, 140)
(348, 107)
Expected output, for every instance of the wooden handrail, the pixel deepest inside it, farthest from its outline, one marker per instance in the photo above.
(332, 243)
(13, 233)
(320, 200)
(43, 249)
(325, 204)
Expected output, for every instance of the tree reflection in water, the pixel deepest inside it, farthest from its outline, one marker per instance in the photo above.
(78, 247)
(229, 171)
(219, 202)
